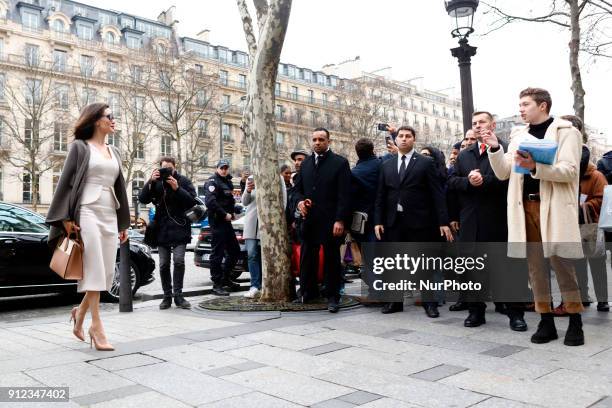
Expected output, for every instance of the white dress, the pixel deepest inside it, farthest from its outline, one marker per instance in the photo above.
(98, 222)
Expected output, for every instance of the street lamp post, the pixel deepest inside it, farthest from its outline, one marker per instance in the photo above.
(462, 11)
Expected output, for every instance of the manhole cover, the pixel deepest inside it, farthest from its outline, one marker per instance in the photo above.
(242, 304)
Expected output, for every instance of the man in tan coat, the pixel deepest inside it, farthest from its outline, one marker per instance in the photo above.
(543, 210)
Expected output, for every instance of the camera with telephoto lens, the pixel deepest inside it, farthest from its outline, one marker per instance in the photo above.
(164, 173)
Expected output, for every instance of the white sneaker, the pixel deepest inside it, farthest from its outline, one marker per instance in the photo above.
(252, 293)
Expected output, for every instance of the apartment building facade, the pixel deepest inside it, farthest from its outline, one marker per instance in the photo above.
(56, 56)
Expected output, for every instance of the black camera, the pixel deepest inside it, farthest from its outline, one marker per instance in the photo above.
(383, 127)
(164, 173)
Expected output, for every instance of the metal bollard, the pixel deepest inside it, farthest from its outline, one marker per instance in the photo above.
(125, 287)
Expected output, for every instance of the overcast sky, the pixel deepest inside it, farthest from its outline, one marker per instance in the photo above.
(413, 37)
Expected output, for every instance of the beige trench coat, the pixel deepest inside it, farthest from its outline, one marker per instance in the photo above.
(558, 193)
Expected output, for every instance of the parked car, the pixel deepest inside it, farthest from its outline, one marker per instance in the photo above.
(196, 228)
(203, 249)
(25, 258)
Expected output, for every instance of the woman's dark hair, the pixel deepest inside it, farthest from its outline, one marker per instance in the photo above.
(86, 124)
(439, 161)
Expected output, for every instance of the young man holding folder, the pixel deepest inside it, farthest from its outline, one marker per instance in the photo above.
(543, 210)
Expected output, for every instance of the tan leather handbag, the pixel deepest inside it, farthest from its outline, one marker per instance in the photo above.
(67, 260)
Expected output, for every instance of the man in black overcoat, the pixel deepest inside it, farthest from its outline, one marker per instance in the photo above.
(322, 190)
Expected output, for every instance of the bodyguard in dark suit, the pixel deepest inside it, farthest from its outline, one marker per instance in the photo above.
(482, 202)
(410, 203)
(325, 181)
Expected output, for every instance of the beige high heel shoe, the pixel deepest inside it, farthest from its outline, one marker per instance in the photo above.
(73, 317)
(93, 341)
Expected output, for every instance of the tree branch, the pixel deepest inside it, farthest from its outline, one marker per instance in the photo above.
(548, 18)
(261, 6)
(247, 26)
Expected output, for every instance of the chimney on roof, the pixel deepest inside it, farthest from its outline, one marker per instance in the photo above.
(203, 35)
(167, 17)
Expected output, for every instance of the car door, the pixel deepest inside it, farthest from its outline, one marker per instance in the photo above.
(24, 254)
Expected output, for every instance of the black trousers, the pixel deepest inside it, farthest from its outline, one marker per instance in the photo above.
(309, 265)
(223, 240)
(402, 231)
(172, 284)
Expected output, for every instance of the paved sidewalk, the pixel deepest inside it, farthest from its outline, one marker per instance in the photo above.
(359, 357)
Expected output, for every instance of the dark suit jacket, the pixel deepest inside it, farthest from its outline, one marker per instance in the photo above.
(329, 187)
(420, 193)
(482, 210)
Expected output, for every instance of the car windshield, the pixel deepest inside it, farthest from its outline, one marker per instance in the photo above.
(15, 219)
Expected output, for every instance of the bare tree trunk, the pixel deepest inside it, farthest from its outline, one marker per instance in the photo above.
(574, 50)
(260, 129)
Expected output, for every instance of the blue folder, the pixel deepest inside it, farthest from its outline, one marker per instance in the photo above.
(542, 150)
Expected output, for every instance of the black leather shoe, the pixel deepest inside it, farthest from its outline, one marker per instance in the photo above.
(332, 306)
(517, 323)
(219, 291)
(432, 311)
(574, 335)
(166, 303)
(546, 330)
(392, 307)
(181, 302)
(474, 319)
(459, 306)
(603, 307)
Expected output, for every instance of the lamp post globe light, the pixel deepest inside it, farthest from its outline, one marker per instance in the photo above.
(462, 12)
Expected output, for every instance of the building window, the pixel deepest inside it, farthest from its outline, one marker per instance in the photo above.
(32, 55)
(138, 181)
(30, 20)
(113, 104)
(324, 96)
(88, 96)
(277, 89)
(2, 84)
(202, 128)
(133, 42)
(280, 138)
(58, 26)
(223, 77)
(279, 112)
(27, 184)
(242, 81)
(139, 107)
(226, 100)
(294, 93)
(313, 118)
(33, 91)
(60, 137)
(199, 69)
(61, 92)
(225, 130)
(110, 38)
(203, 161)
(201, 98)
(112, 68)
(136, 73)
(164, 81)
(310, 96)
(307, 76)
(166, 146)
(85, 31)
(59, 60)
(139, 150)
(87, 65)
(114, 139)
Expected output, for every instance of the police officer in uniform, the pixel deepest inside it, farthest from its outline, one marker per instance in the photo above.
(220, 203)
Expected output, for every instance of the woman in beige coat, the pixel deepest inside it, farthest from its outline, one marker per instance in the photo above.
(544, 224)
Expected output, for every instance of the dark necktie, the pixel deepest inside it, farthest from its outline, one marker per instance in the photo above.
(402, 169)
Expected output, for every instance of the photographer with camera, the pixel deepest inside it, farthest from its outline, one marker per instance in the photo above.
(172, 194)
